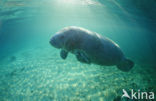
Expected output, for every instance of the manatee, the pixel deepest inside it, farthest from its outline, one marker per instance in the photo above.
(90, 47)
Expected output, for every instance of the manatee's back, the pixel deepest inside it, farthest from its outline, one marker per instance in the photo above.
(101, 50)
(80, 38)
(110, 52)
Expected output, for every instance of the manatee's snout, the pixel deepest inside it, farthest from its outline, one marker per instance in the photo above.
(55, 41)
(52, 41)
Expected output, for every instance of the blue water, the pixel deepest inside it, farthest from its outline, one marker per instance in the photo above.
(32, 70)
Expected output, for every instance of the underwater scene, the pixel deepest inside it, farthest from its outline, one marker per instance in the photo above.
(34, 68)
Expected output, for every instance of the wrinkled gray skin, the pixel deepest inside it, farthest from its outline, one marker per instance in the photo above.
(88, 47)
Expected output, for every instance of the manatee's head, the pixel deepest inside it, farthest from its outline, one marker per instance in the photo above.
(58, 40)
(63, 38)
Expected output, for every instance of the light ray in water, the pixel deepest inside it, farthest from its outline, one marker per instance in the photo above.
(122, 9)
(79, 2)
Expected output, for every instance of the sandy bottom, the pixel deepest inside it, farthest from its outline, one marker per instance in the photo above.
(39, 74)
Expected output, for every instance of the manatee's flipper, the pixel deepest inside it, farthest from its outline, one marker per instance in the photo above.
(126, 65)
(82, 57)
(63, 54)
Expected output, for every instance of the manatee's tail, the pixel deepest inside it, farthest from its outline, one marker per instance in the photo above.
(126, 65)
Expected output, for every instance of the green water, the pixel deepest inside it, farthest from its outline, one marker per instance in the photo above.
(32, 70)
